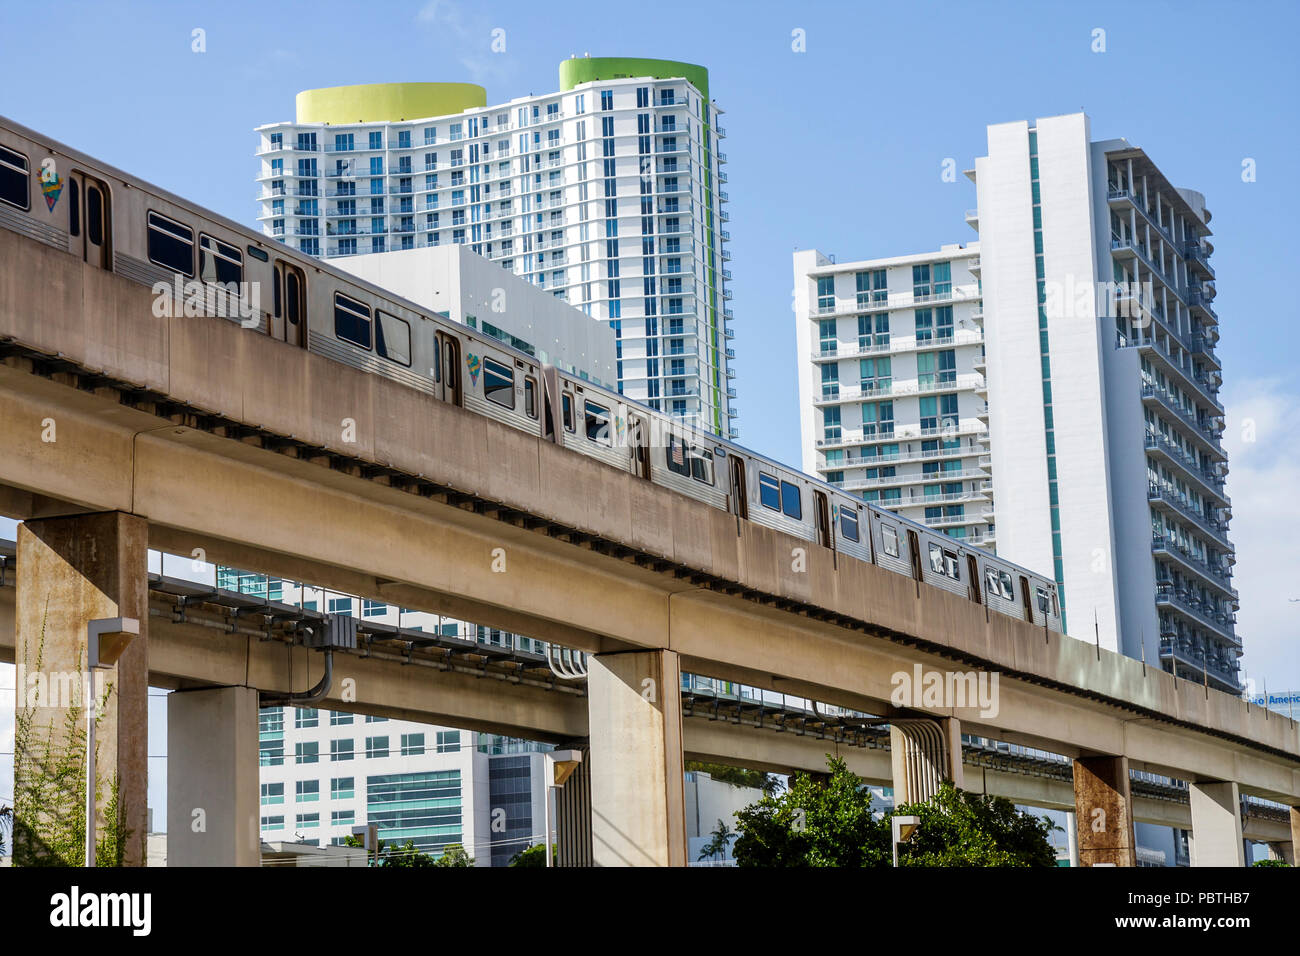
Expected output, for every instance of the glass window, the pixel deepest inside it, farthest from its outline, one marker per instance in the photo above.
(14, 179)
(567, 405)
(889, 536)
(412, 745)
(848, 523)
(769, 492)
(936, 559)
(530, 396)
(498, 383)
(342, 788)
(791, 501)
(351, 320)
(219, 262)
(393, 338)
(597, 424)
(171, 244)
(702, 465)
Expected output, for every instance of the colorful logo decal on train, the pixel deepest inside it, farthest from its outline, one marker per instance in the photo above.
(475, 365)
(618, 427)
(51, 183)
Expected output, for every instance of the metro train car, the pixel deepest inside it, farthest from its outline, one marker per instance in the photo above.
(116, 222)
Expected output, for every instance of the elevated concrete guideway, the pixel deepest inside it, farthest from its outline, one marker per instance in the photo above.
(211, 648)
(220, 439)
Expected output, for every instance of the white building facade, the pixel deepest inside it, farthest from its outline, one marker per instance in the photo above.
(1103, 386)
(891, 384)
(606, 193)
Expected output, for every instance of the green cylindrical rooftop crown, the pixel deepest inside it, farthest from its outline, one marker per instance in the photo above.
(578, 70)
(387, 102)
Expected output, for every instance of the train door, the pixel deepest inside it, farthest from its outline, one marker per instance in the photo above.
(289, 319)
(449, 350)
(914, 554)
(825, 537)
(89, 225)
(1025, 599)
(639, 439)
(550, 403)
(973, 573)
(739, 489)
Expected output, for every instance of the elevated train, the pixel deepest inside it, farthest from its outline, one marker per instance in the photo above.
(113, 221)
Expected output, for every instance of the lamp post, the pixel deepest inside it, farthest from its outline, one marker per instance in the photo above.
(106, 639)
(560, 765)
(901, 829)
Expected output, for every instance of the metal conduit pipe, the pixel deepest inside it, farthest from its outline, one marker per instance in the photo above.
(316, 694)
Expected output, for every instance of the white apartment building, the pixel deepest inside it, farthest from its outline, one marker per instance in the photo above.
(1103, 389)
(472, 290)
(891, 384)
(606, 193)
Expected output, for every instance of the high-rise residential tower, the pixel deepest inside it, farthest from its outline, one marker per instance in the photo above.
(606, 192)
(1103, 385)
(891, 390)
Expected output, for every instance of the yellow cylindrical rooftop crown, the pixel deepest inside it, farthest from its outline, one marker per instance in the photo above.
(387, 102)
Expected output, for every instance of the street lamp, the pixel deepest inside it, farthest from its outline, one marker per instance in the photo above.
(560, 765)
(902, 829)
(106, 639)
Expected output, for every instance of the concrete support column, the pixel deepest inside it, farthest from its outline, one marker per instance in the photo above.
(923, 753)
(213, 797)
(573, 813)
(1216, 824)
(73, 570)
(638, 813)
(1103, 808)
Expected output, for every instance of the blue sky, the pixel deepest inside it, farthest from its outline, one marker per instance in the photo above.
(839, 147)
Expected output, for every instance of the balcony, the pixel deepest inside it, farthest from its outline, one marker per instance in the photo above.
(932, 454)
(1217, 577)
(973, 219)
(1198, 259)
(1198, 300)
(1209, 483)
(898, 345)
(1206, 431)
(1175, 504)
(1190, 663)
(1223, 623)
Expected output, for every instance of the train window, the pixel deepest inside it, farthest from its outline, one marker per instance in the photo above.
(171, 244)
(678, 456)
(530, 396)
(597, 423)
(498, 383)
(219, 262)
(999, 584)
(1042, 599)
(566, 405)
(791, 501)
(14, 179)
(769, 492)
(950, 565)
(848, 523)
(393, 338)
(74, 207)
(259, 254)
(702, 465)
(94, 216)
(936, 559)
(351, 320)
(889, 537)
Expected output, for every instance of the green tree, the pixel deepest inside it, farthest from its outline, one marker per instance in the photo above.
(453, 855)
(817, 822)
(535, 855)
(828, 822)
(959, 828)
(718, 845)
(1271, 863)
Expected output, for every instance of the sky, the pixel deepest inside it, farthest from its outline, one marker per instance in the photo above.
(839, 120)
